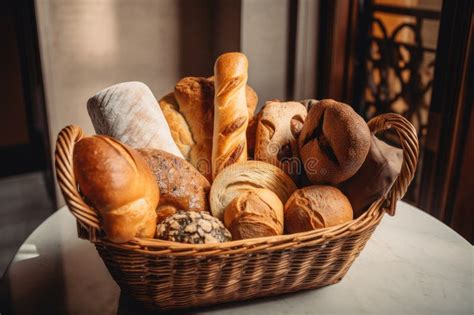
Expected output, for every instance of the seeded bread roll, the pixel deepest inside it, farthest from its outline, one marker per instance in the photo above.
(193, 228)
(278, 128)
(130, 113)
(116, 181)
(254, 213)
(179, 128)
(316, 207)
(333, 143)
(182, 187)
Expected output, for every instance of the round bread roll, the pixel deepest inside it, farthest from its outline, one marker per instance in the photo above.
(182, 187)
(316, 207)
(116, 181)
(333, 143)
(193, 228)
(240, 177)
(254, 213)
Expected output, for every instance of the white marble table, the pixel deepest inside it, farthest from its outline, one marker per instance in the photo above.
(413, 264)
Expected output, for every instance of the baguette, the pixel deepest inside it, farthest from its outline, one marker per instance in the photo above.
(230, 111)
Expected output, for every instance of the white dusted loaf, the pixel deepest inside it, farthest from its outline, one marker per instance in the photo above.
(129, 112)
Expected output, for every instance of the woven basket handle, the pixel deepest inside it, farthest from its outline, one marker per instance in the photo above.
(409, 141)
(86, 216)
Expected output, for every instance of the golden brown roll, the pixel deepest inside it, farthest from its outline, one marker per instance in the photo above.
(254, 213)
(333, 143)
(182, 187)
(179, 128)
(116, 181)
(279, 124)
(231, 115)
(240, 177)
(316, 207)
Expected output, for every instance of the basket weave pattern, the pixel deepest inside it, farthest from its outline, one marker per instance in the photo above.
(168, 275)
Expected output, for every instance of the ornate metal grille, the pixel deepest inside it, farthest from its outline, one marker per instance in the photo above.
(398, 73)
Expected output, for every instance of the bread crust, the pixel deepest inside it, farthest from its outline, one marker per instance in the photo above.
(240, 177)
(116, 181)
(316, 207)
(254, 213)
(180, 130)
(333, 142)
(230, 111)
(182, 187)
(195, 96)
(279, 124)
(195, 99)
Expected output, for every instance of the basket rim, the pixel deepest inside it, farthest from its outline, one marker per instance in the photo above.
(302, 239)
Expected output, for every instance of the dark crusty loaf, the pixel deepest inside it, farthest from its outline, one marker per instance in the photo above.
(333, 143)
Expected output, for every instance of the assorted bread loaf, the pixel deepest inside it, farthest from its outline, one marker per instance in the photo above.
(189, 111)
(206, 170)
(182, 187)
(116, 181)
(130, 113)
(231, 116)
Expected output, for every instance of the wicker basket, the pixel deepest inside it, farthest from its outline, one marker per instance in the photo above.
(167, 275)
